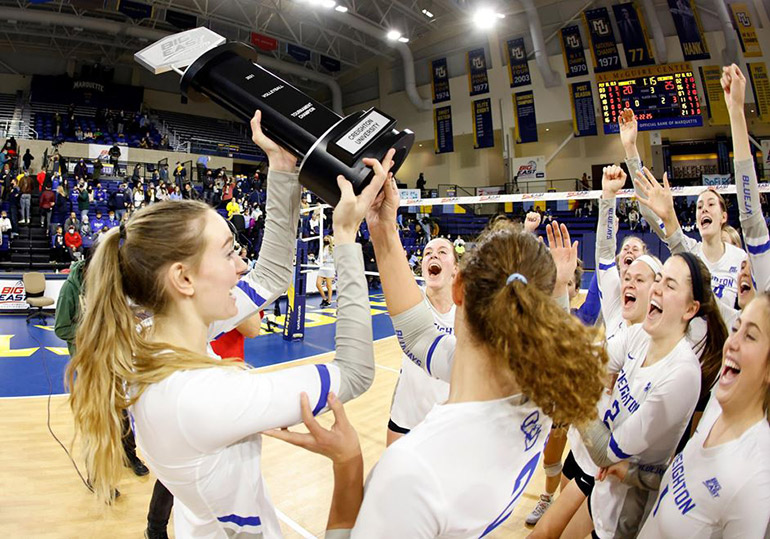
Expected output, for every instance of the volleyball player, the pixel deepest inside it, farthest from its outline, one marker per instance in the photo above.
(654, 396)
(197, 418)
(516, 361)
(416, 392)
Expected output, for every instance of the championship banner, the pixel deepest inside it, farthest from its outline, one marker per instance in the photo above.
(761, 87)
(583, 112)
(572, 50)
(601, 39)
(439, 82)
(443, 141)
(715, 96)
(633, 33)
(689, 29)
(518, 67)
(476, 63)
(746, 32)
(483, 133)
(524, 112)
(300, 54)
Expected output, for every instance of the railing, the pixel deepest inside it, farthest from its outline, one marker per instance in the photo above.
(17, 128)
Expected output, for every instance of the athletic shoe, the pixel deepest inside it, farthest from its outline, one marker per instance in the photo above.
(325, 303)
(139, 468)
(539, 510)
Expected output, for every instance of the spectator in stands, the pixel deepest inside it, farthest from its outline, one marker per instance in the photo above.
(118, 201)
(162, 193)
(47, 202)
(208, 187)
(99, 222)
(5, 225)
(163, 173)
(150, 198)
(14, 203)
(80, 171)
(202, 165)
(74, 243)
(421, 183)
(62, 204)
(121, 122)
(232, 208)
(189, 193)
(136, 175)
(86, 232)
(100, 195)
(97, 169)
(57, 122)
(58, 249)
(173, 193)
(27, 159)
(164, 144)
(11, 145)
(585, 182)
(633, 218)
(72, 222)
(25, 187)
(138, 195)
(112, 221)
(178, 168)
(114, 153)
(5, 180)
(84, 201)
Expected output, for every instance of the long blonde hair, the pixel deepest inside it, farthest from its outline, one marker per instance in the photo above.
(112, 355)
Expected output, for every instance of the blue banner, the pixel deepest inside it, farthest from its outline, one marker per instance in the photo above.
(633, 33)
(135, 10)
(300, 54)
(583, 112)
(439, 81)
(602, 40)
(476, 63)
(443, 140)
(526, 121)
(572, 49)
(183, 21)
(330, 64)
(483, 130)
(518, 67)
(689, 29)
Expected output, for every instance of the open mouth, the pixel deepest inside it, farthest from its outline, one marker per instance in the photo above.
(744, 286)
(654, 311)
(434, 268)
(628, 259)
(730, 371)
(705, 221)
(629, 299)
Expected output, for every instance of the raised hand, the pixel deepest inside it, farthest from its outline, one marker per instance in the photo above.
(613, 180)
(383, 211)
(563, 252)
(656, 197)
(340, 443)
(734, 86)
(532, 221)
(628, 131)
(279, 158)
(350, 210)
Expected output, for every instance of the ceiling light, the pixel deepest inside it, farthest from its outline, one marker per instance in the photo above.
(328, 4)
(393, 35)
(341, 9)
(427, 13)
(403, 40)
(485, 18)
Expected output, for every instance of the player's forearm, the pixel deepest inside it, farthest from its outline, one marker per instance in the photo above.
(606, 230)
(398, 284)
(740, 134)
(347, 497)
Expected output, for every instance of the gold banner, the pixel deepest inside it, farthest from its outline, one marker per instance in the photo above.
(761, 86)
(746, 32)
(715, 96)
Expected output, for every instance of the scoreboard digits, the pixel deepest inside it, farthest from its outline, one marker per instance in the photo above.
(662, 97)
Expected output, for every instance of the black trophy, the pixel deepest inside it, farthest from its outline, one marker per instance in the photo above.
(328, 144)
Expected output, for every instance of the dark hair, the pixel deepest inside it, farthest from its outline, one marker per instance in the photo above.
(552, 356)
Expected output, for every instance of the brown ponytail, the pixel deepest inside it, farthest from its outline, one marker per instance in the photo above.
(112, 356)
(551, 355)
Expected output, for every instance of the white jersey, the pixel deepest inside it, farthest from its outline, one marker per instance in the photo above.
(720, 491)
(197, 431)
(459, 473)
(724, 272)
(649, 411)
(416, 392)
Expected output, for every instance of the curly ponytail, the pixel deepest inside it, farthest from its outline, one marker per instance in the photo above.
(551, 355)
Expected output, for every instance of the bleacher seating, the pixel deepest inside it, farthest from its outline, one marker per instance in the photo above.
(215, 131)
(7, 106)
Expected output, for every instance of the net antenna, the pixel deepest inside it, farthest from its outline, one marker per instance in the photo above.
(177, 51)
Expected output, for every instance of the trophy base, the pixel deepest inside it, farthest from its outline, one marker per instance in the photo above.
(342, 149)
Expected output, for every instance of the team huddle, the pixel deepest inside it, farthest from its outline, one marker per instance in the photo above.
(665, 404)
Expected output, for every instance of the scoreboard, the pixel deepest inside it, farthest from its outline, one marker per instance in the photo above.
(662, 97)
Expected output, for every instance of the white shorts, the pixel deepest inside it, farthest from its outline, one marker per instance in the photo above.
(326, 273)
(415, 395)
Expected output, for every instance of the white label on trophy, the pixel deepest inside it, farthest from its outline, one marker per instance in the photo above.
(369, 127)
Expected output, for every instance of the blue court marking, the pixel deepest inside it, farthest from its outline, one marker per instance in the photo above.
(24, 349)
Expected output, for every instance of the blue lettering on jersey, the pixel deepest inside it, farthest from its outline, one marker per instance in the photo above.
(531, 429)
(713, 486)
(733, 269)
(410, 355)
(682, 496)
(624, 391)
(518, 489)
(746, 185)
(647, 387)
(719, 285)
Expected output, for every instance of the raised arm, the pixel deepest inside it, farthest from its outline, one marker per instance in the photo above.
(753, 224)
(628, 129)
(607, 276)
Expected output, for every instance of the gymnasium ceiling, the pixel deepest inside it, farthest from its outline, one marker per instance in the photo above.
(321, 30)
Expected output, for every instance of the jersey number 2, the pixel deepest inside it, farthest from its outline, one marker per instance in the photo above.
(518, 488)
(612, 413)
